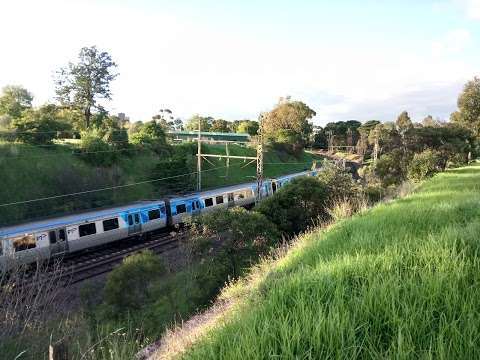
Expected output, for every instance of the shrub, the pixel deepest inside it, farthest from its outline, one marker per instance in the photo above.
(338, 182)
(172, 168)
(238, 234)
(151, 135)
(296, 205)
(424, 165)
(95, 150)
(128, 286)
(392, 168)
(39, 126)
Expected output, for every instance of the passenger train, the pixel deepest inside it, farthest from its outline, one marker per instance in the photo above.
(40, 240)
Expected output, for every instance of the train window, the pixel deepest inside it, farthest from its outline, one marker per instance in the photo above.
(208, 202)
(194, 207)
(219, 200)
(154, 214)
(1, 247)
(87, 229)
(230, 197)
(24, 242)
(110, 224)
(181, 209)
(61, 235)
(53, 237)
(137, 218)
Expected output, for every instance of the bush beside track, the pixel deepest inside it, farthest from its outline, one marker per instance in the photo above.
(399, 280)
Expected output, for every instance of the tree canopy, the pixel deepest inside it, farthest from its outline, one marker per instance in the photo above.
(248, 127)
(469, 106)
(13, 101)
(288, 123)
(81, 85)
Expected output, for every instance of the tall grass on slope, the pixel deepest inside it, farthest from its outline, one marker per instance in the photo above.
(399, 281)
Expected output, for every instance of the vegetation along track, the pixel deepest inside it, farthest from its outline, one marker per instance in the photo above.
(79, 267)
(86, 269)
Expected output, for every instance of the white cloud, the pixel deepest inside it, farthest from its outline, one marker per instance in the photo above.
(453, 42)
(471, 7)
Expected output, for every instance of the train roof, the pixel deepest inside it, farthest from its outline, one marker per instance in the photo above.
(72, 219)
(215, 191)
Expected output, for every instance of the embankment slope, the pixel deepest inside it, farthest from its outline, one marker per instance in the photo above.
(400, 280)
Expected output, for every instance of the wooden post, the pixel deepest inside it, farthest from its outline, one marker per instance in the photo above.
(58, 351)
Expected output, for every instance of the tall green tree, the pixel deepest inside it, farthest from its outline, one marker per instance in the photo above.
(220, 125)
(83, 84)
(469, 106)
(205, 123)
(13, 101)
(248, 127)
(403, 123)
(288, 123)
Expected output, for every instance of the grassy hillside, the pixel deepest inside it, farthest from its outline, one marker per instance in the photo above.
(31, 172)
(400, 280)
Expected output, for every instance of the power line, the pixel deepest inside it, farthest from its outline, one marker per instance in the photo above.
(13, 132)
(102, 189)
(69, 154)
(65, 144)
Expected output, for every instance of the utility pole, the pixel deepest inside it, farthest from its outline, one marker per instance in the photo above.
(375, 147)
(227, 152)
(259, 159)
(199, 156)
(330, 141)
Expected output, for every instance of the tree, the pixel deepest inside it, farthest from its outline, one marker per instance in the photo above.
(288, 123)
(205, 122)
(403, 123)
(13, 101)
(137, 273)
(424, 165)
(469, 106)
(296, 205)
(237, 233)
(39, 126)
(391, 168)
(248, 126)
(429, 121)
(151, 135)
(82, 85)
(220, 125)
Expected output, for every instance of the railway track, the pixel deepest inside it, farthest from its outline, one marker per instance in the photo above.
(83, 269)
(76, 268)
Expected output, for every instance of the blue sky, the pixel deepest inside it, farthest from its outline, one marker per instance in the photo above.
(233, 59)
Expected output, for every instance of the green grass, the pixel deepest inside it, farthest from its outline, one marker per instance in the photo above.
(401, 280)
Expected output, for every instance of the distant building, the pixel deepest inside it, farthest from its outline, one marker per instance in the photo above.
(208, 136)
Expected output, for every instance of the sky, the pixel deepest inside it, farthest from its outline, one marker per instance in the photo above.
(232, 59)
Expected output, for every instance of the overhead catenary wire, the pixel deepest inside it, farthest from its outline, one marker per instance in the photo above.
(119, 186)
(102, 189)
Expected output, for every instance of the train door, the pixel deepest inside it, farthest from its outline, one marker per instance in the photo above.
(231, 200)
(134, 224)
(58, 241)
(274, 187)
(195, 207)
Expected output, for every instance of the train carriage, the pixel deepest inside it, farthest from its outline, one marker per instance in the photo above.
(42, 239)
